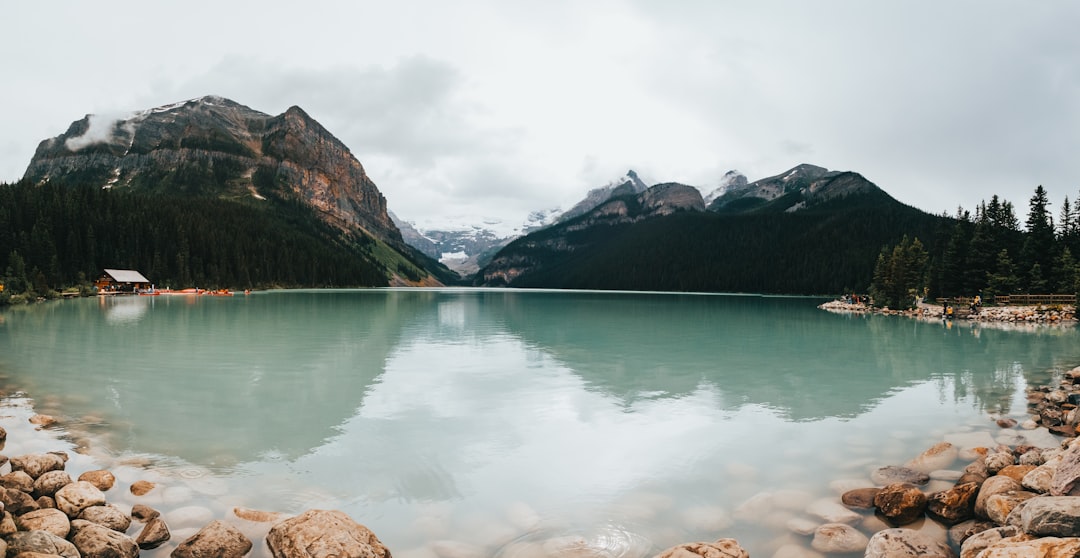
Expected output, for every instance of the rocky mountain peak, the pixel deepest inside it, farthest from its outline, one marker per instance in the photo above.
(218, 147)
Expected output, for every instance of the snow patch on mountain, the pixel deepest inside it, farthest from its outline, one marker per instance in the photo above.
(732, 179)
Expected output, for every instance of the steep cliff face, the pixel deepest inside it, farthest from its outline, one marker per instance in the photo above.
(217, 147)
(528, 254)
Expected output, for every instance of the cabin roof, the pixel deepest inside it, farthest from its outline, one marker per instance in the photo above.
(126, 276)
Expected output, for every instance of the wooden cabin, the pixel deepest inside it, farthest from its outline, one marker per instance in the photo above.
(121, 281)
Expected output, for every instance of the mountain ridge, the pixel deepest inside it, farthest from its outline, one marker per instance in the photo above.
(146, 148)
(214, 148)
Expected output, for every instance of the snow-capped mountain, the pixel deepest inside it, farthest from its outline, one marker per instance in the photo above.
(463, 245)
(732, 179)
(629, 183)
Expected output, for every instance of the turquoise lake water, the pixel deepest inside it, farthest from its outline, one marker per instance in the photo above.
(510, 423)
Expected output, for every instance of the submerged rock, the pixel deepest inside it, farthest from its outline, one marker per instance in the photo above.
(838, 538)
(893, 474)
(322, 534)
(218, 539)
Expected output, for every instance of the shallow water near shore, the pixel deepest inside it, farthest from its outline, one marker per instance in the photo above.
(462, 422)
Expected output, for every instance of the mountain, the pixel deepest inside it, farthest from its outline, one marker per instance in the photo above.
(805, 231)
(793, 190)
(214, 148)
(465, 247)
(627, 184)
(732, 179)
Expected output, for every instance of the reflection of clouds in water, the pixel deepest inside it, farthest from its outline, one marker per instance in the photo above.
(487, 422)
(452, 313)
(126, 310)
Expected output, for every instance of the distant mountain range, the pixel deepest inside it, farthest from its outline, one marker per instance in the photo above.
(805, 230)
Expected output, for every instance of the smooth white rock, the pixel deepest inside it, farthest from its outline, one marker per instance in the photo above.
(832, 511)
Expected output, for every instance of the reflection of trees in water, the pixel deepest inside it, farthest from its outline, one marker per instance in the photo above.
(187, 374)
(986, 364)
(779, 353)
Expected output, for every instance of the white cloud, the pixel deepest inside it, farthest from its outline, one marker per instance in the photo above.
(487, 108)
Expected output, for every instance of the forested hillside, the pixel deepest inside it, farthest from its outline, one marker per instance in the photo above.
(57, 235)
(828, 249)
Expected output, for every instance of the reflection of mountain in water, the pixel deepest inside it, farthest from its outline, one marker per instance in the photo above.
(224, 386)
(780, 353)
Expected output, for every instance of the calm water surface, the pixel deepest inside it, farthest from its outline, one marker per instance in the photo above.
(509, 423)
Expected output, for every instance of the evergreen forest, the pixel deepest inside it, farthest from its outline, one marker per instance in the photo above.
(56, 236)
(987, 254)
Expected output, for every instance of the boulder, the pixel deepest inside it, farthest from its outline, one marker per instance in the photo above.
(1039, 478)
(218, 539)
(993, 485)
(1053, 516)
(902, 543)
(961, 531)
(7, 524)
(45, 502)
(48, 483)
(18, 480)
(1016, 472)
(153, 534)
(999, 506)
(43, 420)
(77, 496)
(982, 540)
(108, 516)
(900, 503)
(722, 548)
(940, 456)
(861, 498)
(144, 513)
(141, 487)
(954, 505)
(96, 541)
(1067, 473)
(103, 480)
(1022, 546)
(326, 533)
(41, 542)
(999, 460)
(36, 464)
(838, 538)
(49, 520)
(893, 474)
(16, 501)
(975, 472)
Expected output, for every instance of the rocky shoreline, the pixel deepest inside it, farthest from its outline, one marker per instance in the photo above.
(972, 495)
(987, 314)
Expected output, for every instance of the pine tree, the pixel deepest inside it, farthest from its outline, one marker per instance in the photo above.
(1039, 243)
(1003, 280)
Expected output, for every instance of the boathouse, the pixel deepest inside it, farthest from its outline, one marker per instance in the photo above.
(121, 281)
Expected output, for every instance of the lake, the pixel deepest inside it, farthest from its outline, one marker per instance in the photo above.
(461, 422)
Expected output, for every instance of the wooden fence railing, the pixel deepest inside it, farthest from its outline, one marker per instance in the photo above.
(1016, 299)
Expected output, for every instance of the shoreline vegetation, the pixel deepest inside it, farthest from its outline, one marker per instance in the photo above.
(1009, 488)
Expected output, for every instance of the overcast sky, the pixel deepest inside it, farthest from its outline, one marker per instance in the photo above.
(475, 109)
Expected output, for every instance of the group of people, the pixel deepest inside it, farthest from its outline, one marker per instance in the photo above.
(948, 312)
